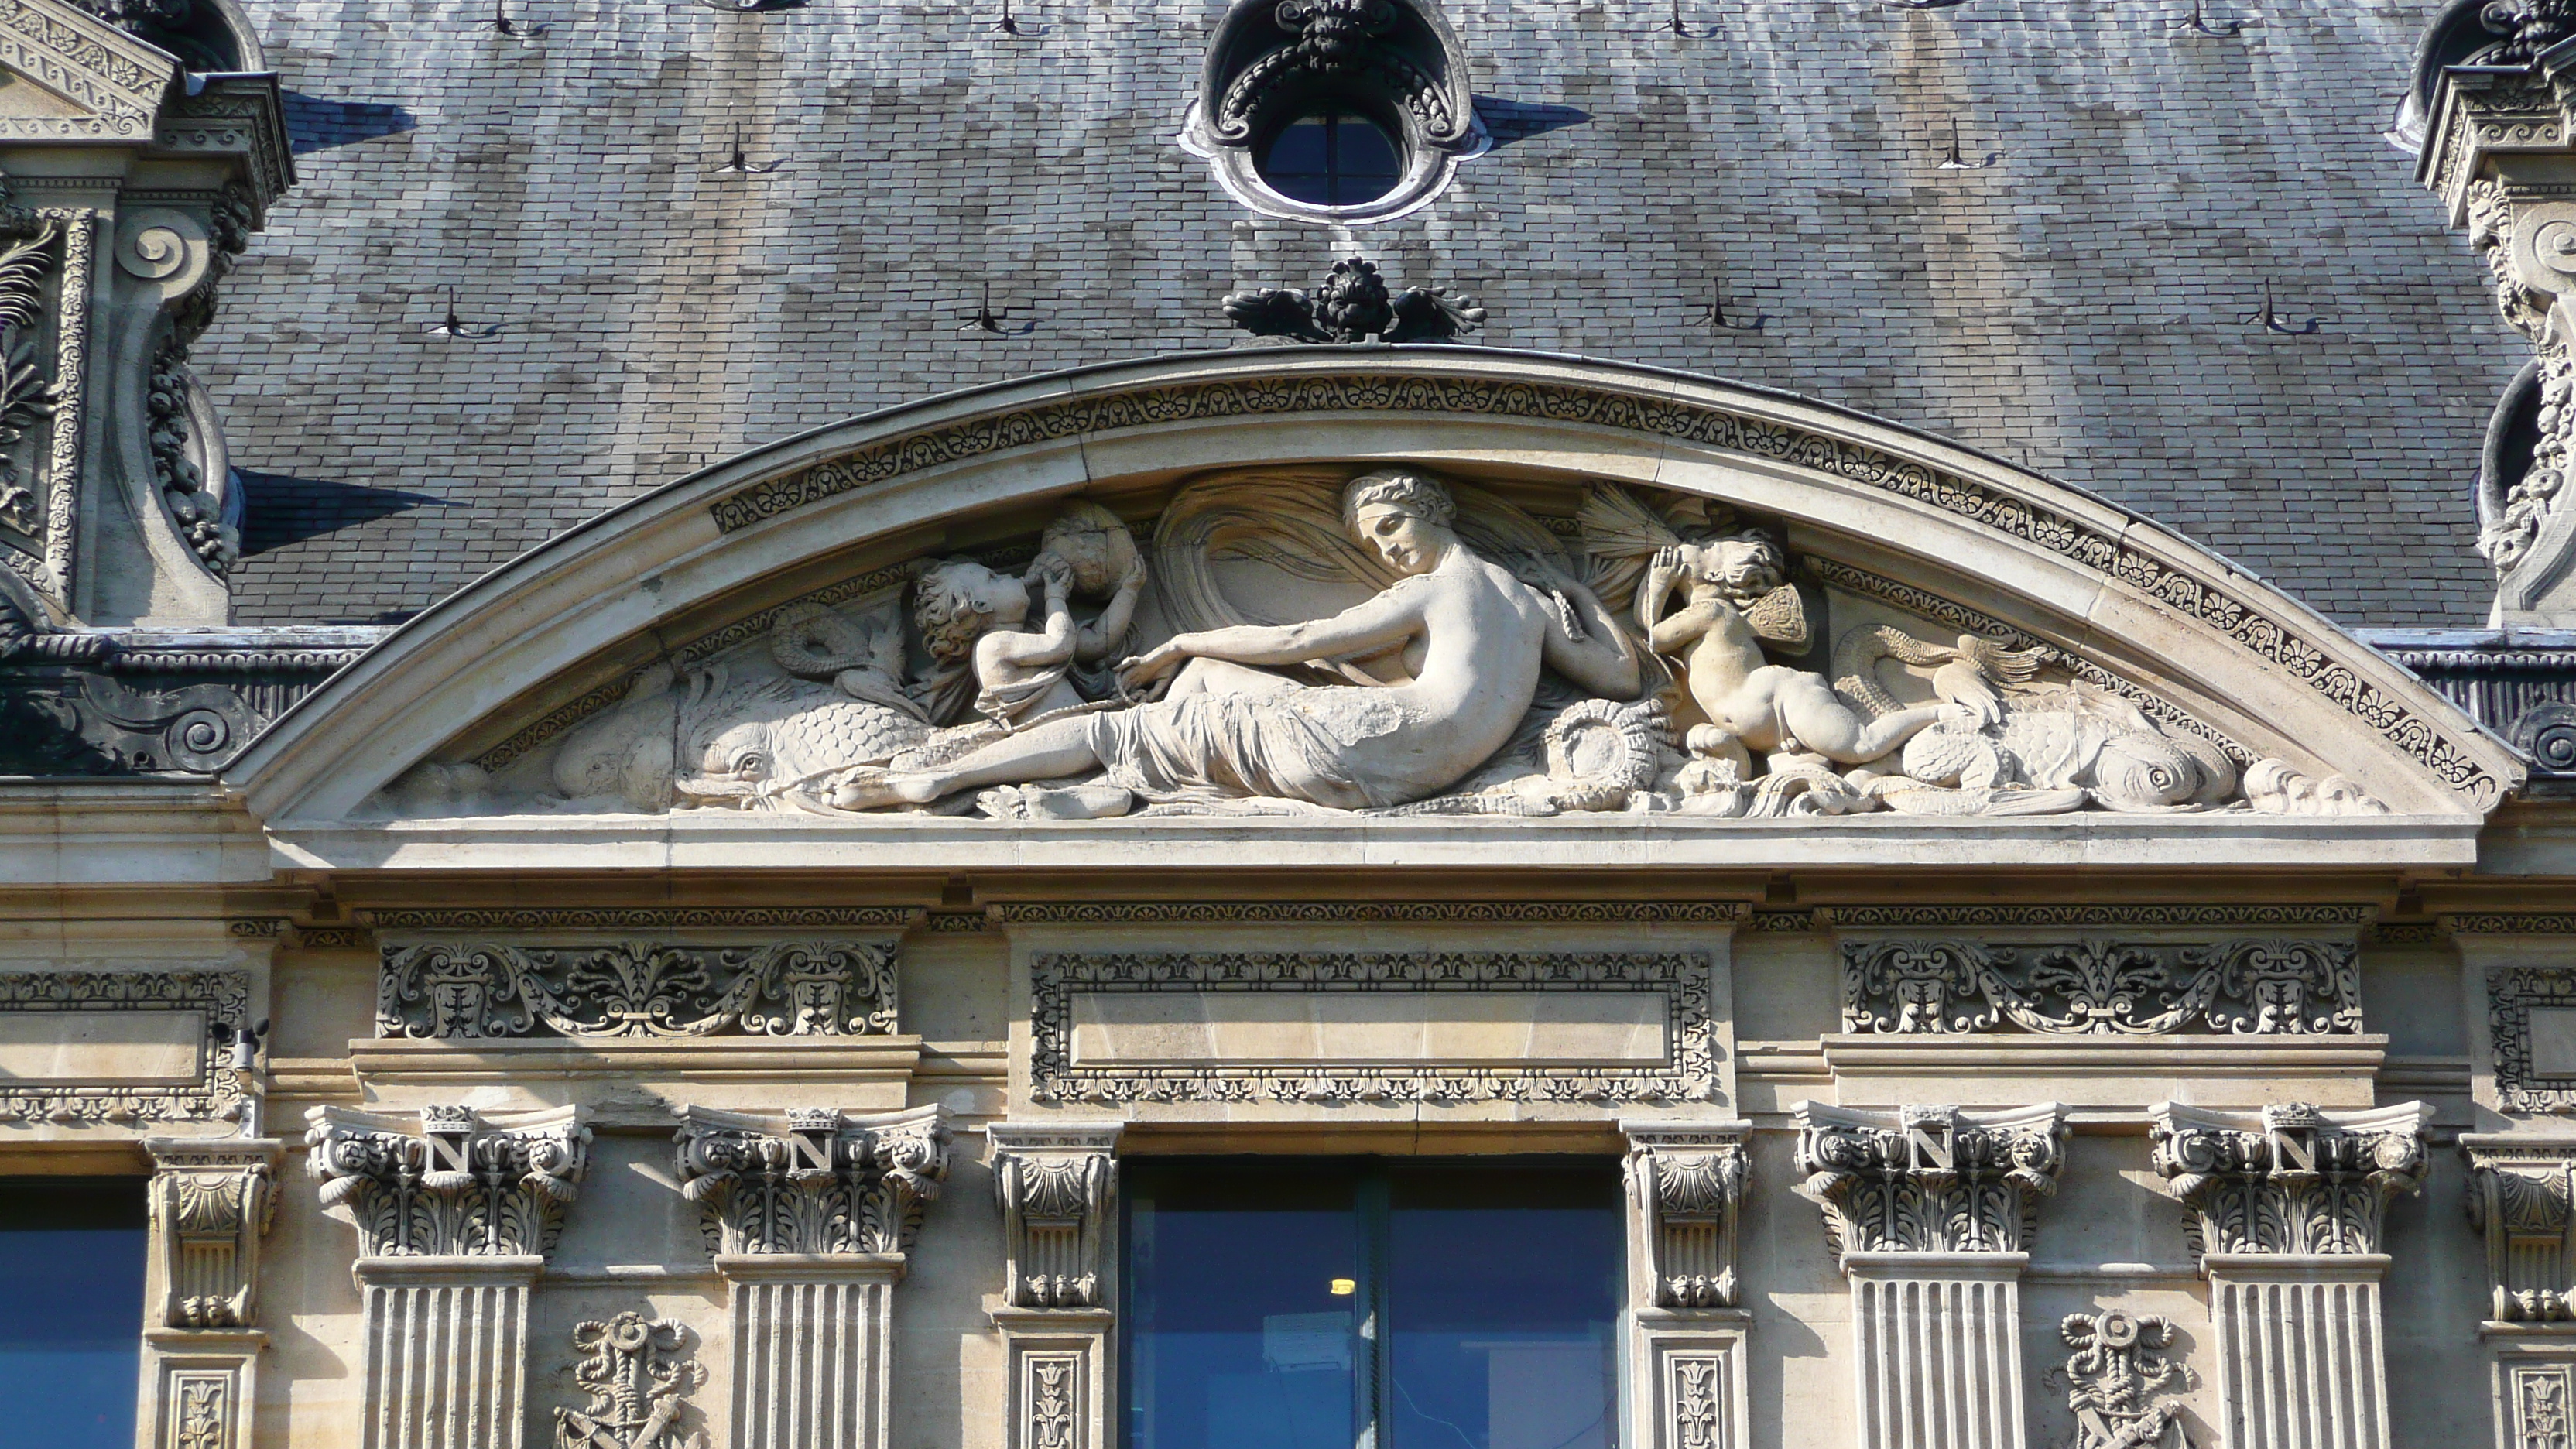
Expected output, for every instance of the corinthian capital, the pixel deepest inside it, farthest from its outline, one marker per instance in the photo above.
(448, 1183)
(1930, 1179)
(812, 1180)
(2289, 1178)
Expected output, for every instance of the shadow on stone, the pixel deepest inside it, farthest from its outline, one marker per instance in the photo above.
(315, 124)
(281, 510)
(1509, 121)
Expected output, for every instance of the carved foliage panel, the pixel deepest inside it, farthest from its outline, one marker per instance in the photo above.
(470, 989)
(2247, 987)
(1678, 982)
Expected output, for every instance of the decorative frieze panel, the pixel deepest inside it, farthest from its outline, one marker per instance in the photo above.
(2290, 1178)
(2255, 986)
(452, 1186)
(1930, 1179)
(830, 1182)
(2531, 1022)
(2535, 1399)
(1058, 1188)
(1436, 1028)
(1684, 1186)
(478, 989)
(2519, 1198)
(121, 1048)
(1695, 1395)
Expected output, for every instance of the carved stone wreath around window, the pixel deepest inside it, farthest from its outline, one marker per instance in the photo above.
(1391, 67)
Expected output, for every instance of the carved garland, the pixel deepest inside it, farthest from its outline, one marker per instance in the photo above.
(1680, 977)
(2238, 988)
(2250, 625)
(221, 997)
(476, 989)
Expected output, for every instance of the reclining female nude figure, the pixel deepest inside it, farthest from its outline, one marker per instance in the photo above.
(1473, 638)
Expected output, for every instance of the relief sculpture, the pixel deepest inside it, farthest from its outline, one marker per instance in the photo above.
(1306, 641)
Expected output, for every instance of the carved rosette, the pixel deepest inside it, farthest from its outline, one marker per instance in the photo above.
(2255, 987)
(816, 1181)
(2520, 1199)
(1684, 1186)
(476, 989)
(2292, 1178)
(1057, 1186)
(1930, 1179)
(454, 1186)
(211, 1205)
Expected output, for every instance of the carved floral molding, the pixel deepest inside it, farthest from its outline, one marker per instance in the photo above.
(1057, 1187)
(1685, 1184)
(445, 1183)
(2513, 994)
(1680, 978)
(2265, 987)
(1932, 1179)
(478, 989)
(816, 1181)
(2290, 1178)
(220, 999)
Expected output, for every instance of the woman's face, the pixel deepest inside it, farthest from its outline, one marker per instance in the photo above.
(1410, 543)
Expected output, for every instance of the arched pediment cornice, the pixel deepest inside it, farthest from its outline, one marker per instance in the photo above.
(561, 628)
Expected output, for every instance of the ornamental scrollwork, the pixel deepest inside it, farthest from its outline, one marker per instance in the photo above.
(454, 1186)
(1680, 978)
(818, 1181)
(2255, 987)
(2291, 1178)
(477, 989)
(637, 1382)
(2118, 1381)
(1057, 1186)
(1932, 1179)
(1685, 1183)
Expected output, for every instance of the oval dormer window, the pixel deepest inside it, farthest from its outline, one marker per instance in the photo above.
(1340, 111)
(1332, 157)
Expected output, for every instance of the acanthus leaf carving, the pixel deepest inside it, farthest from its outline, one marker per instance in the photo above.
(446, 1183)
(1685, 1184)
(1057, 1186)
(2248, 987)
(818, 1181)
(1930, 1179)
(2290, 1178)
(475, 989)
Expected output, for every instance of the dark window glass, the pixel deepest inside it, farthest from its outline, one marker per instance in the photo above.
(1317, 1305)
(1332, 158)
(71, 1309)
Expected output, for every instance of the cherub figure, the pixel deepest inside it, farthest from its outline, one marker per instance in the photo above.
(974, 623)
(1771, 709)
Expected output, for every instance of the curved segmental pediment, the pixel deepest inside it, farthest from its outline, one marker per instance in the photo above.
(1370, 583)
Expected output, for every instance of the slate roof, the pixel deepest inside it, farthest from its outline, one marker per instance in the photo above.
(2077, 306)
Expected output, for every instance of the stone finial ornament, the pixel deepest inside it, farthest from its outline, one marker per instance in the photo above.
(1354, 304)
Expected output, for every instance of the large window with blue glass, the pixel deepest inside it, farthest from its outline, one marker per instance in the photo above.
(71, 1309)
(1379, 1304)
